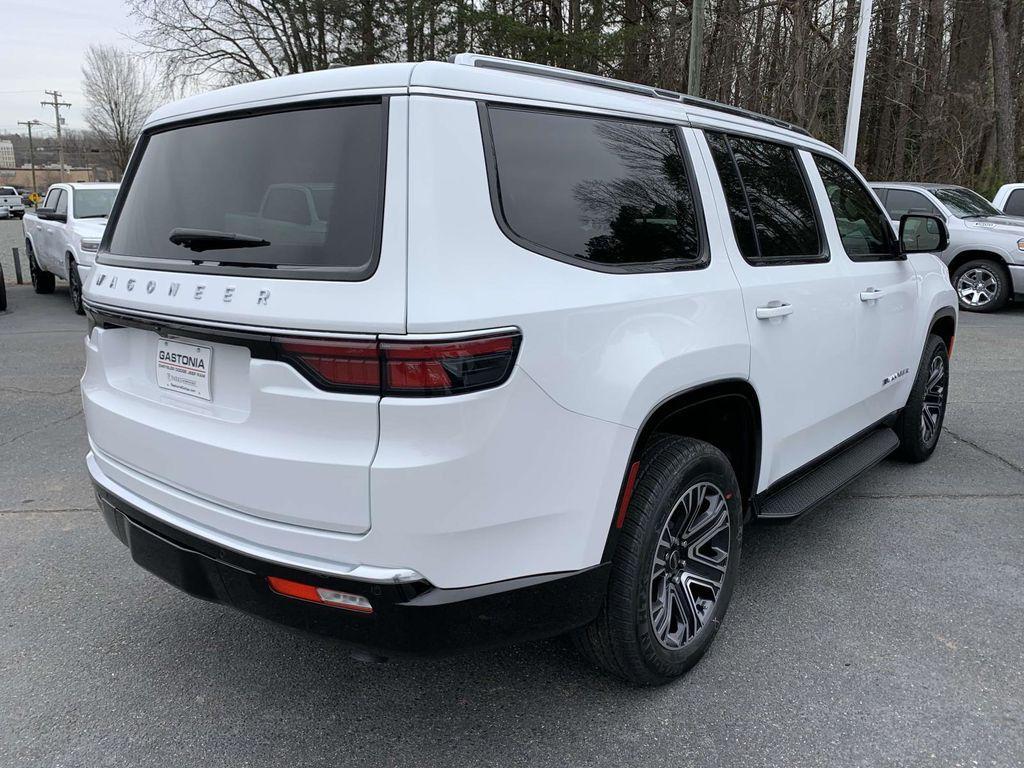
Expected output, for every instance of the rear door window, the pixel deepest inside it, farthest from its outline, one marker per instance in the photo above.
(604, 193)
(901, 201)
(303, 187)
(1015, 203)
(773, 215)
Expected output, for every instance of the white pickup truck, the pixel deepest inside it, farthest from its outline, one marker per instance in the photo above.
(64, 233)
(10, 203)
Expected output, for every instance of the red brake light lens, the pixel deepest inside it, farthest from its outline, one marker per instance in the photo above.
(448, 368)
(401, 368)
(352, 366)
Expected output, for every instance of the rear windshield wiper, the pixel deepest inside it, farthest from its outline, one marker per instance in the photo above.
(211, 239)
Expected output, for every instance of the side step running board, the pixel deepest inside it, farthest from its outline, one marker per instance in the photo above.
(794, 497)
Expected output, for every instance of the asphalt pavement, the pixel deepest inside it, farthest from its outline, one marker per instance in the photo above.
(884, 628)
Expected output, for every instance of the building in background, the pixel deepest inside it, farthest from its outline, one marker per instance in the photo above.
(6, 153)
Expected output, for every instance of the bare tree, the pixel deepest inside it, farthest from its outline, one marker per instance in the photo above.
(120, 94)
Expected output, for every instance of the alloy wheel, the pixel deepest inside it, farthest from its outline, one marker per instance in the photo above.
(689, 565)
(977, 287)
(934, 399)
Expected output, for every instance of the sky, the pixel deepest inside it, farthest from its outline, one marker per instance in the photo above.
(43, 45)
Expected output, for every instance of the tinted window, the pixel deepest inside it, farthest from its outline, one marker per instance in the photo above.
(61, 203)
(94, 203)
(965, 202)
(765, 187)
(255, 176)
(7, 191)
(606, 192)
(863, 227)
(901, 201)
(1015, 203)
(735, 196)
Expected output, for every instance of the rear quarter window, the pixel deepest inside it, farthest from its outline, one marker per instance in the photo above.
(602, 193)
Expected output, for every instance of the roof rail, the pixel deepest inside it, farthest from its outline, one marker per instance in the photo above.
(555, 73)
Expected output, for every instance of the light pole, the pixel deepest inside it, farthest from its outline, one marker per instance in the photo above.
(31, 152)
(860, 58)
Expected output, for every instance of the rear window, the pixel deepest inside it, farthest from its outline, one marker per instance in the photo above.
(303, 189)
(1015, 203)
(94, 203)
(4, 191)
(603, 193)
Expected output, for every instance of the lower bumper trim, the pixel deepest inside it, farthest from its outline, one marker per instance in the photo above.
(408, 618)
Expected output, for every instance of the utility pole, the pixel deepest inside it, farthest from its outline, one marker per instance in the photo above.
(696, 47)
(57, 104)
(860, 58)
(31, 151)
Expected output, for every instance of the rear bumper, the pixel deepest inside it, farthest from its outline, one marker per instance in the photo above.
(408, 618)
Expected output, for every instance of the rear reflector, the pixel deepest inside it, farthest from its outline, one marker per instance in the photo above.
(402, 368)
(321, 595)
(627, 494)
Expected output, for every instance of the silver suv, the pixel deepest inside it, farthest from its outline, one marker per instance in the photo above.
(986, 246)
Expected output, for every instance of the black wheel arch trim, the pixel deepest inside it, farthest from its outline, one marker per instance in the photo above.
(671, 405)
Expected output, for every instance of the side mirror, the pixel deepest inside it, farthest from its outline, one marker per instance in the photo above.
(44, 213)
(923, 233)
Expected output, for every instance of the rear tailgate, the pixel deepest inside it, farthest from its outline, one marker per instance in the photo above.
(183, 386)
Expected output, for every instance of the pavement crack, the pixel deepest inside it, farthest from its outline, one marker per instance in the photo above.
(47, 425)
(933, 496)
(991, 454)
(23, 391)
(46, 511)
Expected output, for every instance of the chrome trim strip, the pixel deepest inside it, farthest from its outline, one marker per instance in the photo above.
(200, 323)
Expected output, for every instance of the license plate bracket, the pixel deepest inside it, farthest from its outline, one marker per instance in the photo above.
(184, 367)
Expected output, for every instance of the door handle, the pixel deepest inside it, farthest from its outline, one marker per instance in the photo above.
(773, 309)
(871, 294)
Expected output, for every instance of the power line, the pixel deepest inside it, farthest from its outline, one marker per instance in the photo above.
(57, 104)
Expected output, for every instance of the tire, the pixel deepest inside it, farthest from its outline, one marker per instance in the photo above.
(75, 287)
(684, 481)
(920, 422)
(981, 285)
(42, 281)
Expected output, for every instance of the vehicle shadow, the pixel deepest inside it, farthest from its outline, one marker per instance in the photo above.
(278, 687)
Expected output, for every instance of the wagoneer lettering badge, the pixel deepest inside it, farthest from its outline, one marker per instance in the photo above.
(198, 293)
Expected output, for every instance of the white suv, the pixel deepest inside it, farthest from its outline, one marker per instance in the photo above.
(545, 346)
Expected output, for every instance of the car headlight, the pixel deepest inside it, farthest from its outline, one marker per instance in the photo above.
(94, 245)
(1020, 244)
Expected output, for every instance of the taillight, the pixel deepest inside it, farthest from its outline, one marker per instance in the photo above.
(448, 368)
(347, 365)
(405, 368)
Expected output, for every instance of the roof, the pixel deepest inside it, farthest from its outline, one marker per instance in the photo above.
(473, 76)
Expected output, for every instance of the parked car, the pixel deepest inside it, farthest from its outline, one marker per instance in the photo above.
(1010, 199)
(63, 235)
(986, 247)
(10, 203)
(560, 338)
